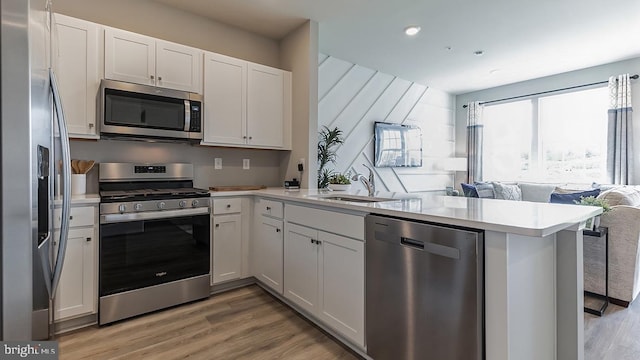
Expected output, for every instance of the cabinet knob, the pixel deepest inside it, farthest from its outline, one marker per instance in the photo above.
(244, 137)
(90, 125)
(217, 226)
(159, 78)
(277, 230)
(88, 239)
(228, 206)
(268, 208)
(313, 241)
(152, 77)
(318, 242)
(71, 217)
(250, 137)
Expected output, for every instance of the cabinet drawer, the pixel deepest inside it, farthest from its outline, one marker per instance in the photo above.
(80, 216)
(270, 208)
(331, 221)
(227, 206)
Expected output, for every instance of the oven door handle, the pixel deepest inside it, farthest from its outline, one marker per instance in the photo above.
(118, 218)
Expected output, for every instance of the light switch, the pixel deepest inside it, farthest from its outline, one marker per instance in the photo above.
(217, 163)
(246, 164)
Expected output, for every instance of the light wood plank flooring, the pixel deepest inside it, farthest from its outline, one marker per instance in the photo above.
(614, 336)
(246, 323)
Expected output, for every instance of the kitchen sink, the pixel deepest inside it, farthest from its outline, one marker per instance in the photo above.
(353, 198)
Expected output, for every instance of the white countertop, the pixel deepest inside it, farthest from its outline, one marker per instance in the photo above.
(517, 217)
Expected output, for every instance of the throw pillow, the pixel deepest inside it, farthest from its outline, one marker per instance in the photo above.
(572, 198)
(484, 190)
(469, 190)
(507, 192)
(536, 192)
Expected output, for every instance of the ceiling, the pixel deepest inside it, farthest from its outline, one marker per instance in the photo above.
(520, 39)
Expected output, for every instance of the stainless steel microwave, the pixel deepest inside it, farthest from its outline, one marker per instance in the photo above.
(140, 111)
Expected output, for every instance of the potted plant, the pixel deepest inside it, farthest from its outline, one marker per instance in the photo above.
(340, 182)
(594, 222)
(328, 142)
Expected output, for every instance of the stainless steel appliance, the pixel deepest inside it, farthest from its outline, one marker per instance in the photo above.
(30, 271)
(154, 239)
(149, 112)
(424, 291)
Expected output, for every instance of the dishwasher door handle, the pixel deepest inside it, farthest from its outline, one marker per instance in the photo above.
(432, 248)
(412, 243)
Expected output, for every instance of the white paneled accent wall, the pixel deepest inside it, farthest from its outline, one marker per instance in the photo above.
(353, 98)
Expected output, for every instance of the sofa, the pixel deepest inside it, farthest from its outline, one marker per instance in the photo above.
(623, 223)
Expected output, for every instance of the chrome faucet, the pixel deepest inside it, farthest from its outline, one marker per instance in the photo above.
(369, 183)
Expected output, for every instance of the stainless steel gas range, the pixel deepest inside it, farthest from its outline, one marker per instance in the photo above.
(154, 239)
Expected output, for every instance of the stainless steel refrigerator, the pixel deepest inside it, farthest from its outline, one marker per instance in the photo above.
(32, 141)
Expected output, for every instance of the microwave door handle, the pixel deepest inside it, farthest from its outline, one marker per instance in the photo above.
(187, 115)
(66, 185)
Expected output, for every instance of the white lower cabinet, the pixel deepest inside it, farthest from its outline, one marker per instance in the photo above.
(268, 243)
(77, 293)
(324, 275)
(227, 248)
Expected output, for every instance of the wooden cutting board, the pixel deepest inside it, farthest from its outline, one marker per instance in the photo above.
(237, 188)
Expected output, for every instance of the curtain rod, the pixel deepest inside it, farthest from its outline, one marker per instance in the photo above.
(634, 77)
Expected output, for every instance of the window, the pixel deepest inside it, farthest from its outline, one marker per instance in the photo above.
(558, 138)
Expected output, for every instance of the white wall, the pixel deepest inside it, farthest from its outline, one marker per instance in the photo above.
(264, 169)
(573, 78)
(353, 97)
(299, 54)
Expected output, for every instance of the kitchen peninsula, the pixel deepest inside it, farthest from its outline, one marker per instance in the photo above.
(533, 280)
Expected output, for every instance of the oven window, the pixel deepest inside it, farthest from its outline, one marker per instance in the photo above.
(124, 108)
(144, 253)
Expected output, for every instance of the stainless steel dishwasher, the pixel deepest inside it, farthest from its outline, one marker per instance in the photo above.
(424, 291)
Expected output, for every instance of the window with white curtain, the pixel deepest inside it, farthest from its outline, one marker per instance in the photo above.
(554, 138)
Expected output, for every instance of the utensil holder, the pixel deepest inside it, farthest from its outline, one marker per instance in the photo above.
(78, 184)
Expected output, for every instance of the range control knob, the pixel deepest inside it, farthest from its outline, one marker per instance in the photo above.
(194, 203)
(182, 203)
(137, 207)
(161, 205)
(122, 208)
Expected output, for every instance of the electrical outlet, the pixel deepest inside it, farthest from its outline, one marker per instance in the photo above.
(246, 164)
(217, 163)
(301, 164)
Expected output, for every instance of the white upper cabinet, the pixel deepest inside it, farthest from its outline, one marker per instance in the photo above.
(266, 106)
(129, 57)
(246, 104)
(76, 61)
(178, 67)
(144, 60)
(225, 99)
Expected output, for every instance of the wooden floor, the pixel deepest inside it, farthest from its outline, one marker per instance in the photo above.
(248, 323)
(614, 336)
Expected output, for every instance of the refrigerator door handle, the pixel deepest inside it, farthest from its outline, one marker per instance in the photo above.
(66, 184)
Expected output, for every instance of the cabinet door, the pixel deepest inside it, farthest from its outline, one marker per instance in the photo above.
(225, 100)
(178, 67)
(269, 252)
(77, 291)
(341, 303)
(129, 57)
(76, 62)
(227, 248)
(301, 266)
(265, 106)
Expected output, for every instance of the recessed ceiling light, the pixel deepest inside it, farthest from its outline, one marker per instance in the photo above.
(412, 30)
(494, 71)
(478, 53)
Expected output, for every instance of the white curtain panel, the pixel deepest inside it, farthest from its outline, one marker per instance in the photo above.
(620, 131)
(474, 141)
